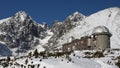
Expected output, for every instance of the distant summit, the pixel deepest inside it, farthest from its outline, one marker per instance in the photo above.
(22, 15)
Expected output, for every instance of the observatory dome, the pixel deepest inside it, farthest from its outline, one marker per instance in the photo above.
(100, 29)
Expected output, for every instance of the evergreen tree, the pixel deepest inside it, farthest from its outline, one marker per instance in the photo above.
(36, 53)
(8, 59)
(26, 61)
(30, 55)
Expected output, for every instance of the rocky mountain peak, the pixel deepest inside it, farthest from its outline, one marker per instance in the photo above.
(77, 13)
(20, 31)
(21, 13)
(75, 17)
(21, 16)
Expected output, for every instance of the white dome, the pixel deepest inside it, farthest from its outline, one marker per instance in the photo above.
(100, 29)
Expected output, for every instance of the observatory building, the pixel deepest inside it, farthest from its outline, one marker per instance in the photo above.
(99, 40)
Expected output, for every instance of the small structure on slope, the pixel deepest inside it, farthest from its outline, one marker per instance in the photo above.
(100, 39)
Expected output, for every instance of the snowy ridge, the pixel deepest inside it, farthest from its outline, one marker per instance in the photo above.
(108, 17)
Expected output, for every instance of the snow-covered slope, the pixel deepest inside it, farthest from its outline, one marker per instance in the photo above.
(76, 59)
(109, 17)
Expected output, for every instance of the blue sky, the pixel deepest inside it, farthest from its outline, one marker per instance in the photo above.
(50, 10)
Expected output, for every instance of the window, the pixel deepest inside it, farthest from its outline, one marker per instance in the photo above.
(89, 47)
(73, 47)
(69, 49)
(81, 41)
